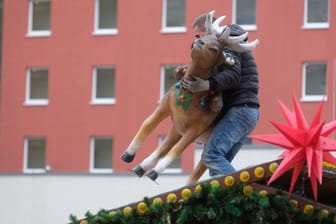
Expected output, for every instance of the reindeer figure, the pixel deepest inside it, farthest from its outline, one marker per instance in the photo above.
(191, 116)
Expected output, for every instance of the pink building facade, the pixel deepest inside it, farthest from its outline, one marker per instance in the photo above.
(79, 77)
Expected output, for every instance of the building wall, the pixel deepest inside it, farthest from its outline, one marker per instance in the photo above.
(137, 52)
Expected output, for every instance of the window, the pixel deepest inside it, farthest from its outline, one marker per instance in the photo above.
(174, 17)
(244, 14)
(314, 81)
(105, 17)
(35, 155)
(167, 78)
(316, 14)
(175, 166)
(37, 86)
(103, 85)
(101, 155)
(39, 18)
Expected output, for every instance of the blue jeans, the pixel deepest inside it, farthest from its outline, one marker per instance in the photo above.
(227, 138)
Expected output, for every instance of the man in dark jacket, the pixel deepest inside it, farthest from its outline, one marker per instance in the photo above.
(240, 113)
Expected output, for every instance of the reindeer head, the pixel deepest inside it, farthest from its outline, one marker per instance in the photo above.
(207, 50)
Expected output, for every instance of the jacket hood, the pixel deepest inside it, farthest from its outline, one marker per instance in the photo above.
(236, 30)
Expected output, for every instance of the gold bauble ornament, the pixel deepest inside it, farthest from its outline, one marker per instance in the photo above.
(142, 208)
(198, 188)
(259, 172)
(157, 201)
(214, 183)
(127, 211)
(263, 193)
(244, 176)
(308, 209)
(171, 197)
(294, 203)
(229, 181)
(186, 193)
(273, 166)
(247, 190)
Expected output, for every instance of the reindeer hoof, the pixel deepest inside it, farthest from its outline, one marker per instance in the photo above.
(138, 171)
(126, 157)
(153, 175)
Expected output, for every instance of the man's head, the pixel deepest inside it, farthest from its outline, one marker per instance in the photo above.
(199, 25)
(235, 37)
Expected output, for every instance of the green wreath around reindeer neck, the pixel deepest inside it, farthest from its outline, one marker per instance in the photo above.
(183, 98)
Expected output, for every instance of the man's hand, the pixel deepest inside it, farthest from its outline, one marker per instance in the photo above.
(180, 72)
(216, 103)
(196, 85)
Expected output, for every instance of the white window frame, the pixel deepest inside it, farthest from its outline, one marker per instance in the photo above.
(163, 78)
(247, 27)
(94, 99)
(36, 33)
(170, 29)
(322, 25)
(169, 170)
(310, 98)
(28, 100)
(92, 153)
(25, 158)
(97, 30)
(162, 81)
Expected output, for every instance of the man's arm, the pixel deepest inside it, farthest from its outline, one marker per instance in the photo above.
(228, 77)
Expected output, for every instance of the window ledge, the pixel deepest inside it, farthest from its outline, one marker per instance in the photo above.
(102, 32)
(36, 103)
(46, 33)
(103, 102)
(315, 26)
(101, 171)
(250, 27)
(313, 99)
(167, 30)
(35, 171)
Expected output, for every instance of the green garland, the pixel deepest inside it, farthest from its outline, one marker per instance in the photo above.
(214, 204)
(183, 98)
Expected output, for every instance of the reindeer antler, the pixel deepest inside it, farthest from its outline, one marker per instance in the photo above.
(236, 43)
(214, 27)
(208, 22)
(243, 47)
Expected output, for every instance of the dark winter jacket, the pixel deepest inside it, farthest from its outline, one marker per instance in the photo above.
(238, 83)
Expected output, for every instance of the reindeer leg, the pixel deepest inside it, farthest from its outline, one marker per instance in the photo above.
(171, 139)
(197, 172)
(150, 123)
(176, 151)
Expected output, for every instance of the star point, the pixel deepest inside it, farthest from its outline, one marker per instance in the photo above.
(304, 145)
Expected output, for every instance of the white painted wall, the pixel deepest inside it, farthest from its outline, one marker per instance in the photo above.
(51, 198)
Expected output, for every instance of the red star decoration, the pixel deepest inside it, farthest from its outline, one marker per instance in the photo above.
(303, 144)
